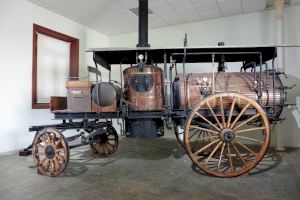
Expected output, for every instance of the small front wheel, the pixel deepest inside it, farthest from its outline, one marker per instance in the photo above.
(105, 144)
(50, 152)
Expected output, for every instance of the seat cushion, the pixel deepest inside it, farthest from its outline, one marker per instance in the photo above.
(78, 84)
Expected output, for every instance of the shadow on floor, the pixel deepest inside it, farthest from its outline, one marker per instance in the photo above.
(147, 149)
(129, 148)
(271, 160)
(150, 149)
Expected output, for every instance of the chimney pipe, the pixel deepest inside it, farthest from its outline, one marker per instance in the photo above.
(143, 24)
(221, 67)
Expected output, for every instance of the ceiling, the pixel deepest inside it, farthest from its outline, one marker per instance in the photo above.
(113, 17)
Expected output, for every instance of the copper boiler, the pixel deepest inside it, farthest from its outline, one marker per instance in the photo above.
(200, 85)
(144, 87)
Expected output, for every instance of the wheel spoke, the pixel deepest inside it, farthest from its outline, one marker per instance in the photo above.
(47, 165)
(246, 121)
(53, 166)
(199, 115)
(58, 143)
(55, 138)
(204, 129)
(51, 138)
(111, 137)
(61, 157)
(229, 156)
(58, 163)
(231, 111)
(105, 151)
(42, 161)
(250, 129)
(239, 116)
(206, 146)
(101, 149)
(249, 138)
(108, 150)
(214, 115)
(222, 111)
(48, 141)
(239, 154)
(41, 145)
(220, 158)
(213, 152)
(43, 139)
(109, 144)
(245, 147)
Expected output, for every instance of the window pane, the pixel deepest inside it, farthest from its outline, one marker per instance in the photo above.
(53, 62)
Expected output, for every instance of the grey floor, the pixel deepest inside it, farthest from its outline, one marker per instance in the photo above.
(148, 169)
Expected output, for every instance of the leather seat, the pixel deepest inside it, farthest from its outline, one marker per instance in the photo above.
(78, 84)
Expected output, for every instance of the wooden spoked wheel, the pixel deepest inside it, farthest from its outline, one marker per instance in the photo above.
(50, 152)
(227, 134)
(106, 143)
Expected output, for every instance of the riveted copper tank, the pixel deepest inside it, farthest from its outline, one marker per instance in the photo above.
(144, 87)
(199, 85)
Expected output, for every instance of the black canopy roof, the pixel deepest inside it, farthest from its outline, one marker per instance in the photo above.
(109, 56)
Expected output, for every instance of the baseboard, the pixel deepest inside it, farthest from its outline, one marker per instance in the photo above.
(11, 153)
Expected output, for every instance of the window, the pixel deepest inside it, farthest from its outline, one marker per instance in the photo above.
(55, 58)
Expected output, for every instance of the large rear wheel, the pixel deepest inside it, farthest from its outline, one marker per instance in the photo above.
(236, 135)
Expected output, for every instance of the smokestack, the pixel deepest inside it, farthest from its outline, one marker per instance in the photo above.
(221, 67)
(143, 24)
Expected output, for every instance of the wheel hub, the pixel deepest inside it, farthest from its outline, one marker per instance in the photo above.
(101, 138)
(227, 135)
(50, 152)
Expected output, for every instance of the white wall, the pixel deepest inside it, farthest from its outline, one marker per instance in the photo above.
(249, 29)
(16, 19)
(253, 28)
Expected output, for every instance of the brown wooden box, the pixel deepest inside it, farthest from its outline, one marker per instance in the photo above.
(79, 96)
(58, 103)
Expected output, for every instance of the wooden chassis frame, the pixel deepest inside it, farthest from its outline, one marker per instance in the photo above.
(74, 59)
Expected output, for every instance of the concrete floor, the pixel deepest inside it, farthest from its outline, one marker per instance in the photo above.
(148, 169)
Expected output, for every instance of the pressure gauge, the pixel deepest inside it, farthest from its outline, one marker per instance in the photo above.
(141, 57)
